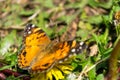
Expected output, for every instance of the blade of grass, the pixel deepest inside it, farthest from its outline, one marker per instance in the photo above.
(113, 72)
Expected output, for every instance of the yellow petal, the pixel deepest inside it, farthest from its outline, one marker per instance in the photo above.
(57, 74)
(65, 68)
(49, 75)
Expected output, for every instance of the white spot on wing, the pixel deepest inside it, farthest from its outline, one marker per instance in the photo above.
(80, 47)
(28, 28)
(29, 32)
(60, 61)
(81, 43)
(73, 50)
(65, 59)
(33, 26)
(70, 55)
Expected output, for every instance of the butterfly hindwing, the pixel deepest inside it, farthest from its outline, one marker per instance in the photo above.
(59, 52)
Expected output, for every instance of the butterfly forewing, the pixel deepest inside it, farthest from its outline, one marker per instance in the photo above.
(34, 41)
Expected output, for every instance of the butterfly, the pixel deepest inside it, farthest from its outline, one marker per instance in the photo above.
(39, 53)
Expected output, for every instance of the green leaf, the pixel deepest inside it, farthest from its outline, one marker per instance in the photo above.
(97, 19)
(26, 12)
(106, 4)
(78, 4)
(92, 74)
(7, 42)
(100, 77)
(49, 4)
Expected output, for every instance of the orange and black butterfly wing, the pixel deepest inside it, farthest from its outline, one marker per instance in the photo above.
(34, 41)
(57, 53)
